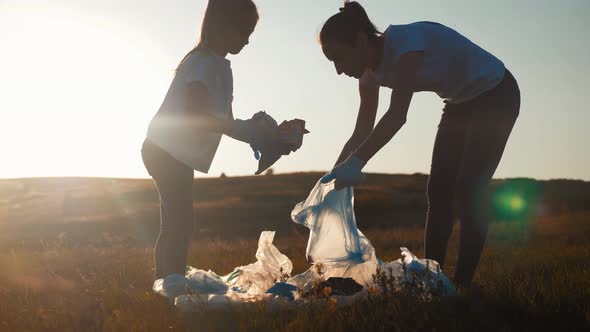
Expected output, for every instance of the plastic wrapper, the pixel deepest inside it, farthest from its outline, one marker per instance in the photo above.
(288, 138)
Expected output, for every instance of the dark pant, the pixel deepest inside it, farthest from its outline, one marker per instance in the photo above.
(468, 147)
(174, 181)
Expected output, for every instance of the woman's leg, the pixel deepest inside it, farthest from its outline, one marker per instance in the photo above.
(174, 182)
(493, 118)
(446, 160)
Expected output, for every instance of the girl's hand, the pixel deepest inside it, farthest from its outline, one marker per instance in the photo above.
(255, 132)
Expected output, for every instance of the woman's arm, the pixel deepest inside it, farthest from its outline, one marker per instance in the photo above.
(365, 120)
(395, 117)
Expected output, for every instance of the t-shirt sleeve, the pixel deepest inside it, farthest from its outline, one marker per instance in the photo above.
(198, 70)
(404, 39)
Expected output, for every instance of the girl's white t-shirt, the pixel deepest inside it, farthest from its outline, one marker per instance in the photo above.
(195, 148)
(453, 67)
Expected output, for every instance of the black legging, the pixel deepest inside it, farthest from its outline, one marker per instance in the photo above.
(468, 147)
(174, 181)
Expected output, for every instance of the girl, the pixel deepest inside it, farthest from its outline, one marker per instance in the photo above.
(185, 133)
(482, 102)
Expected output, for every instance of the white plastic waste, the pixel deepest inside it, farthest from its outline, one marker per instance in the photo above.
(336, 248)
(270, 267)
(243, 282)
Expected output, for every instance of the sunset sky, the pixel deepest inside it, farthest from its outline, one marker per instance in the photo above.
(80, 80)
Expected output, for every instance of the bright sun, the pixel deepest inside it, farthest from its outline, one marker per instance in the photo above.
(74, 87)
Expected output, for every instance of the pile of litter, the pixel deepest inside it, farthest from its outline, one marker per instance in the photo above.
(342, 260)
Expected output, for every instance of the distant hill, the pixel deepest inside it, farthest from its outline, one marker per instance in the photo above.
(227, 206)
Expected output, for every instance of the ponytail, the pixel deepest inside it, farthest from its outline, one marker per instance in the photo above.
(345, 25)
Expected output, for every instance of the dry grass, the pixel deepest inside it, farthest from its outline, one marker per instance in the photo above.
(95, 275)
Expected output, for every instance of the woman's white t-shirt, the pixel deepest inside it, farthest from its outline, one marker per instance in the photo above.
(192, 147)
(453, 66)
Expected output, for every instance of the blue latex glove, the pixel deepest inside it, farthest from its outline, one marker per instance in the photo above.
(348, 173)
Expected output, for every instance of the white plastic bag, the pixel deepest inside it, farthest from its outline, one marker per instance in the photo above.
(243, 283)
(271, 266)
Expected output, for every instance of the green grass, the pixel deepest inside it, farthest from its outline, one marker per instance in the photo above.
(89, 269)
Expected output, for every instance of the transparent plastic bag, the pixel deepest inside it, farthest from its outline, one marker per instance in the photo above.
(337, 248)
(271, 266)
(334, 237)
(334, 240)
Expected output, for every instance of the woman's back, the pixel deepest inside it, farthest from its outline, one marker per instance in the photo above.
(453, 66)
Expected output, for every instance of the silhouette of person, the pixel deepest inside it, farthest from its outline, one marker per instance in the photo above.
(482, 102)
(184, 134)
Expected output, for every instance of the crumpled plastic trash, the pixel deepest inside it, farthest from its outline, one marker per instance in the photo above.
(424, 273)
(289, 134)
(271, 266)
(243, 282)
(336, 249)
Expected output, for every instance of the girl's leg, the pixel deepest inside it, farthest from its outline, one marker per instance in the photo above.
(174, 182)
(446, 159)
(494, 115)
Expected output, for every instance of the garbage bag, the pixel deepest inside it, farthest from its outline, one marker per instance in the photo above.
(337, 248)
(334, 237)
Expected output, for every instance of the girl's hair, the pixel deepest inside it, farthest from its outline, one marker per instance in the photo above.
(345, 25)
(222, 14)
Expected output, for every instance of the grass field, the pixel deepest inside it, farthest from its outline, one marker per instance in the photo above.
(75, 254)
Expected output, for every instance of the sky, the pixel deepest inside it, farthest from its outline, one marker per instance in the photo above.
(80, 81)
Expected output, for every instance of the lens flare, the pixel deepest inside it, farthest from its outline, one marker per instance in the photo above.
(515, 199)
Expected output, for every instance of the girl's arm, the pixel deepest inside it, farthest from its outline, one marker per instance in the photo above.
(200, 119)
(198, 107)
(365, 120)
(395, 117)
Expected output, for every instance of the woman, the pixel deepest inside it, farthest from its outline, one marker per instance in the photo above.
(482, 102)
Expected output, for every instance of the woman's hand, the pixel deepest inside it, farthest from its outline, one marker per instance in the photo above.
(348, 173)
